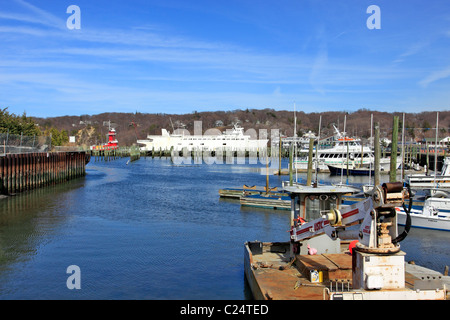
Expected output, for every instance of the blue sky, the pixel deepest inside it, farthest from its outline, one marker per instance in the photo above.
(179, 56)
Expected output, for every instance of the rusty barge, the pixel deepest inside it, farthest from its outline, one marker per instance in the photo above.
(340, 253)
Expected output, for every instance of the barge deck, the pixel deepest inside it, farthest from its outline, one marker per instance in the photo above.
(273, 275)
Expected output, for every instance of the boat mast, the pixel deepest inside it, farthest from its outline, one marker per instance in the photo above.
(371, 146)
(403, 148)
(295, 142)
(435, 148)
(343, 144)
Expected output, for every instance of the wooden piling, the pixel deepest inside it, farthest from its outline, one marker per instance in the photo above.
(310, 163)
(291, 155)
(377, 154)
(393, 169)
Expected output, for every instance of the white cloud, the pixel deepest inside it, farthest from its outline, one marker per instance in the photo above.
(40, 16)
(317, 70)
(435, 76)
(23, 30)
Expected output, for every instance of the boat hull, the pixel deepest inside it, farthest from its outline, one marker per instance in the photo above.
(425, 222)
(334, 170)
(435, 215)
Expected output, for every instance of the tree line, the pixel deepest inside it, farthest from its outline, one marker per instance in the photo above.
(22, 125)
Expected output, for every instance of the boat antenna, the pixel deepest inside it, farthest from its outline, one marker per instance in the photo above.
(173, 129)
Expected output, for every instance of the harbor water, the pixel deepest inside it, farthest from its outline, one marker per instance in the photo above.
(150, 229)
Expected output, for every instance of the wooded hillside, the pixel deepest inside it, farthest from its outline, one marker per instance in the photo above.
(92, 129)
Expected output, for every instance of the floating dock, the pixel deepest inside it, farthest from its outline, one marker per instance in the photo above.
(258, 197)
(267, 201)
(238, 193)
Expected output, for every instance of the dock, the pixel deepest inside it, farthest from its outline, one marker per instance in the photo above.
(267, 201)
(285, 172)
(258, 197)
(237, 193)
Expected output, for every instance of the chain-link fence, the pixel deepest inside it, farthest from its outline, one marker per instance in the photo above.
(14, 143)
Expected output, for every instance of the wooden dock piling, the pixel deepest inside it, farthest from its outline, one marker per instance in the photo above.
(393, 168)
(25, 171)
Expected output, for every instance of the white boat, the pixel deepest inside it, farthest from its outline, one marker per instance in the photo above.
(433, 181)
(302, 142)
(358, 156)
(434, 215)
(231, 140)
(437, 193)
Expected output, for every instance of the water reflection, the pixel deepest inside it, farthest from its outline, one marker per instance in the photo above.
(29, 220)
(147, 230)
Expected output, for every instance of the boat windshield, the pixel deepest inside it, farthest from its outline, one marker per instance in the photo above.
(316, 207)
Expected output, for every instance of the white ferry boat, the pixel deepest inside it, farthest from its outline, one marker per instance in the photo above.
(230, 140)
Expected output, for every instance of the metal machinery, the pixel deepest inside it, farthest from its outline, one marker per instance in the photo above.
(378, 264)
